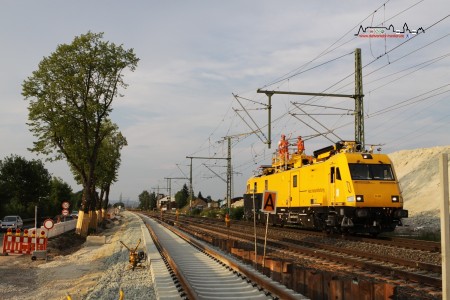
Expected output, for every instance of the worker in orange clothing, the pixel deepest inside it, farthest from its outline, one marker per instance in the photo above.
(300, 145)
(283, 147)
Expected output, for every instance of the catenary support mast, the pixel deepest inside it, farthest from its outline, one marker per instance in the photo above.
(228, 176)
(358, 96)
(359, 109)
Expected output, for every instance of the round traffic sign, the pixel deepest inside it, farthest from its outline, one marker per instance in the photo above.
(65, 205)
(65, 212)
(48, 224)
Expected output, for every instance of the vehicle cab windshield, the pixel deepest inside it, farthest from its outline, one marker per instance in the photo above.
(371, 172)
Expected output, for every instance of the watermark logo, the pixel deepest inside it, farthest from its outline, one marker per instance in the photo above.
(387, 32)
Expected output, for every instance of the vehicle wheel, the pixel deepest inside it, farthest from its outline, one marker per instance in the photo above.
(33, 257)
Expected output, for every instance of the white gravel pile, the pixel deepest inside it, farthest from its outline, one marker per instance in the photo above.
(97, 271)
(418, 173)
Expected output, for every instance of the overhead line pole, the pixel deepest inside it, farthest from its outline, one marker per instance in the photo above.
(169, 186)
(229, 175)
(190, 179)
(358, 96)
(359, 110)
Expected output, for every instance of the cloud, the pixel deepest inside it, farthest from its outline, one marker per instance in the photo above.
(194, 55)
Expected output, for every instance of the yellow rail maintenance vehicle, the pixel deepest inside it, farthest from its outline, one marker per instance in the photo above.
(338, 189)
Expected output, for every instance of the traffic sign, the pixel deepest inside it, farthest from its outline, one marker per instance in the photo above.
(65, 212)
(269, 203)
(65, 205)
(48, 224)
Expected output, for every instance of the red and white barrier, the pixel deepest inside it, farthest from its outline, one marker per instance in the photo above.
(8, 245)
(25, 247)
(23, 244)
(41, 242)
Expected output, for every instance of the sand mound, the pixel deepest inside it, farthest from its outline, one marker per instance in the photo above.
(418, 173)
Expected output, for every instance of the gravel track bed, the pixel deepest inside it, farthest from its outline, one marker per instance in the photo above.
(404, 253)
(408, 254)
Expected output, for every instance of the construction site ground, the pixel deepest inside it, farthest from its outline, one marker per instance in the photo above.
(79, 269)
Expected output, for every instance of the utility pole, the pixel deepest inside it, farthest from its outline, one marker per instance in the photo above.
(229, 166)
(228, 177)
(191, 196)
(169, 187)
(358, 96)
(157, 193)
(359, 109)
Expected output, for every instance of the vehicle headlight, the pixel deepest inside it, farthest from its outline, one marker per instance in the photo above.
(395, 198)
(359, 198)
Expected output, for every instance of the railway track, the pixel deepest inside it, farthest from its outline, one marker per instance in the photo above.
(399, 242)
(422, 276)
(203, 273)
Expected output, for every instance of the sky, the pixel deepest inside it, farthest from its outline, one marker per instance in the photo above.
(202, 62)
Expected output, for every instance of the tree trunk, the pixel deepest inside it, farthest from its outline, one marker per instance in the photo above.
(82, 224)
(87, 223)
(93, 221)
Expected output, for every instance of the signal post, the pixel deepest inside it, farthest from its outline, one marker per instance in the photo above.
(269, 206)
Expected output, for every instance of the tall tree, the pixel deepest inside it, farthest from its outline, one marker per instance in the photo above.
(182, 196)
(23, 184)
(108, 164)
(153, 201)
(144, 200)
(70, 99)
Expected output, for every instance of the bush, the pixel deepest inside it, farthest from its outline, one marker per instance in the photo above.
(195, 212)
(237, 213)
(210, 213)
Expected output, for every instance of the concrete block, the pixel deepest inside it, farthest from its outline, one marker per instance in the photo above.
(95, 240)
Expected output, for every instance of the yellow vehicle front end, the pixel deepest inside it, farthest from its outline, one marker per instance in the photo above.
(347, 191)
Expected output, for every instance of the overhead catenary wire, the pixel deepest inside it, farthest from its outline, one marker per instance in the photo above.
(302, 72)
(410, 100)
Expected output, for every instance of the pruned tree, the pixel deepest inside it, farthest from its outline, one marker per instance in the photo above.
(70, 99)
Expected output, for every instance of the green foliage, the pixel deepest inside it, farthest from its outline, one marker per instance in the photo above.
(76, 199)
(144, 200)
(237, 213)
(23, 185)
(70, 94)
(109, 161)
(152, 201)
(182, 196)
(212, 213)
(195, 212)
(60, 192)
(70, 99)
